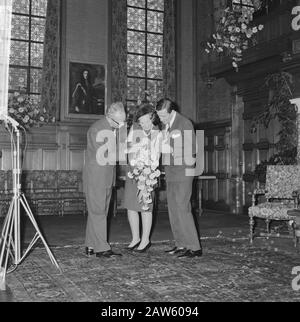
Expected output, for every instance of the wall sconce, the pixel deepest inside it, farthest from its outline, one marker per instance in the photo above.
(209, 81)
(286, 56)
(296, 101)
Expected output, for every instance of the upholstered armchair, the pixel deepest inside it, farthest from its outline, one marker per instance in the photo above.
(5, 197)
(70, 191)
(281, 198)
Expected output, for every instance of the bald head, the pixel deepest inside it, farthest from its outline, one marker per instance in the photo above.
(116, 114)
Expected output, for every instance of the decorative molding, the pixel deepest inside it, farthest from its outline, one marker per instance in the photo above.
(213, 125)
(222, 176)
(263, 145)
(248, 146)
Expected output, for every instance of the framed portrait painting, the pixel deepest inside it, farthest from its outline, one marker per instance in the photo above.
(87, 86)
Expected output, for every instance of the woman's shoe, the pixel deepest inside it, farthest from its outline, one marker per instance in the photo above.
(134, 246)
(144, 249)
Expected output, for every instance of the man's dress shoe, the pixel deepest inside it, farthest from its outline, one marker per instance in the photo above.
(191, 254)
(108, 253)
(89, 251)
(175, 250)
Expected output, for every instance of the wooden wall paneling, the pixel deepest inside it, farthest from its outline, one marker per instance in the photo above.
(33, 159)
(50, 160)
(6, 161)
(63, 154)
(76, 159)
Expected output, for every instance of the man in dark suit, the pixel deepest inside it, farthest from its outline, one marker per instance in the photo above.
(180, 133)
(99, 178)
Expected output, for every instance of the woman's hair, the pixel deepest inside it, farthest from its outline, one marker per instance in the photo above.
(166, 103)
(145, 109)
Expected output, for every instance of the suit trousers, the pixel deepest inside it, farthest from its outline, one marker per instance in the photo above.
(98, 201)
(180, 215)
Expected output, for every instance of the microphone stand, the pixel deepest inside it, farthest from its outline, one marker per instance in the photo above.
(10, 241)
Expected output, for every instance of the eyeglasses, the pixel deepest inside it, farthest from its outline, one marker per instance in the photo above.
(117, 124)
(114, 121)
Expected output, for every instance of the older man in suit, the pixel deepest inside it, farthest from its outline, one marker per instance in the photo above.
(180, 133)
(99, 178)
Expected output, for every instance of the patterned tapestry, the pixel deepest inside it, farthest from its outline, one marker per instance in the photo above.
(169, 56)
(50, 80)
(119, 51)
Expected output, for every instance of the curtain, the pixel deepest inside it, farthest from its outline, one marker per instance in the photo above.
(5, 34)
(169, 56)
(119, 51)
(51, 67)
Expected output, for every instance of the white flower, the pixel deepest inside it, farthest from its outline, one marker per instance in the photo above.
(141, 187)
(260, 27)
(130, 175)
(142, 178)
(234, 64)
(207, 50)
(244, 26)
(255, 30)
(157, 173)
(26, 119)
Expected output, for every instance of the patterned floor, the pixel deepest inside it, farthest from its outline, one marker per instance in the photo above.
(230, 270)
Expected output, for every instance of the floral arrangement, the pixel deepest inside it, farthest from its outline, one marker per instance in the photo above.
(234, 34)
(23, 109)
(145, 171)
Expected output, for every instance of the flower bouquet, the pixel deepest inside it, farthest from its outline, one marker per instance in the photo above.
(234, 34)
(23, 109)
(146, 173)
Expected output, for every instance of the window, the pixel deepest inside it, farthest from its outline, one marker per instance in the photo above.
(145, 23)
(27, 46)
(266, 6)
(244, 6)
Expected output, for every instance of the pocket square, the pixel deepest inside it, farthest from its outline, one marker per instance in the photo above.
(175, 136)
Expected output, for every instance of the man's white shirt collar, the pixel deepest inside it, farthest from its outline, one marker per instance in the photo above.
(172, 121)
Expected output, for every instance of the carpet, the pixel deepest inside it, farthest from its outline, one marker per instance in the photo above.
(230, 270)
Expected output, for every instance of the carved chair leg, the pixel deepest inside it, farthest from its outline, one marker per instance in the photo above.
(84, 208)
(251, 229)
(268, 225)
(291, 229)
(61, 207)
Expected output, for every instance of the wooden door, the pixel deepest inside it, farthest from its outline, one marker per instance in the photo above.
(216, 192)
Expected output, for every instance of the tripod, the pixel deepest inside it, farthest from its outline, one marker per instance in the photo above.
(10, 242)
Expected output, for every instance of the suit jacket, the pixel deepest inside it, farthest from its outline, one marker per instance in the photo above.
(94, 175)
(184, 150)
